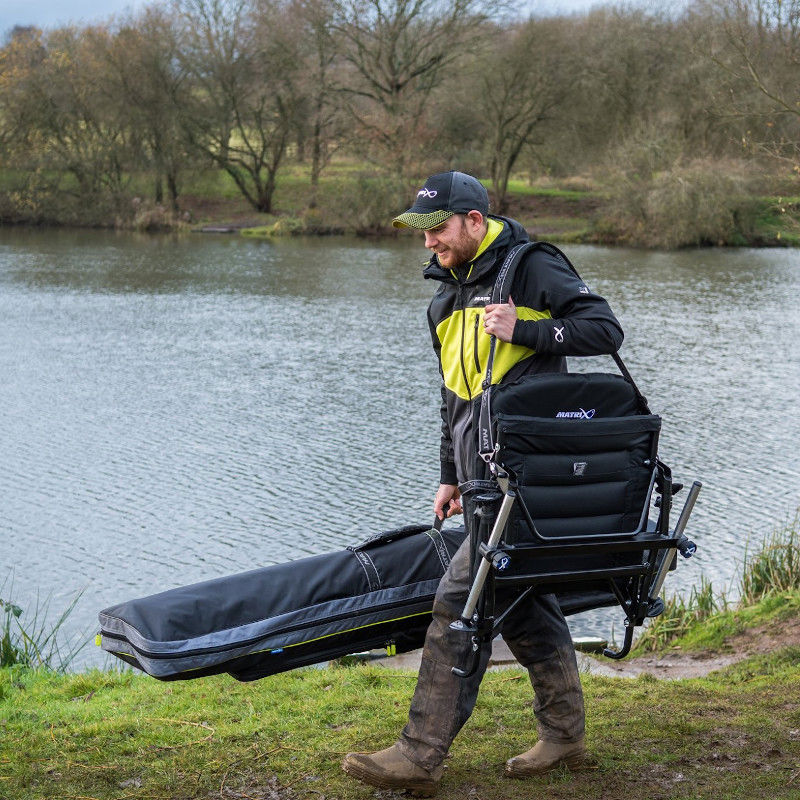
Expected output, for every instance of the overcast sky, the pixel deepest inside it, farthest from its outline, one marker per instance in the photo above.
(53, 13)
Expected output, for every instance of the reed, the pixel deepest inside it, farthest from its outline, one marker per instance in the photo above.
(680, 615)
(775, 566)
(36, 641)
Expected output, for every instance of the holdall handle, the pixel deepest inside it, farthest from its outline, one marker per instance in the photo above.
(500, 294)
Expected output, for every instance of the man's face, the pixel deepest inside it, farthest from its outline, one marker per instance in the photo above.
(456, 240)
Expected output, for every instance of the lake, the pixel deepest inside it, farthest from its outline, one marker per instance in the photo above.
(177, 408)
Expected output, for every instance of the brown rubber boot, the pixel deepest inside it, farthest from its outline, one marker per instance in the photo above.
(390, 769)
(544, 757)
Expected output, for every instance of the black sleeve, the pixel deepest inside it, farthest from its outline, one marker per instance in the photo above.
(581, 324)
(447, 472)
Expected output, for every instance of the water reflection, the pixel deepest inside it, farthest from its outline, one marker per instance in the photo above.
(178, 408)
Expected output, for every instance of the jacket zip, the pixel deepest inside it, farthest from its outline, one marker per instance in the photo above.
(475, 344)
(460, 304)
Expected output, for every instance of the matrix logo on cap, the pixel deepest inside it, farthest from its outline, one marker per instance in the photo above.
(424, 192)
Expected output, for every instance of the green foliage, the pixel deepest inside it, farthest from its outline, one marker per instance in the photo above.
(681, 614)
(775, 566)
(778, 221)
(367, 204)
(9, 651)
(769, 588)
(34, 641)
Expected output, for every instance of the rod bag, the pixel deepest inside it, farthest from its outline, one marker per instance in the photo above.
(374, 595)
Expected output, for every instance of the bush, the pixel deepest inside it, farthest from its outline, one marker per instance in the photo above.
(661, 196)
(698, 203)
(368, 204)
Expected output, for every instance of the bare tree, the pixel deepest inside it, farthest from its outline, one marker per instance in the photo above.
(244, 97)
(319, 118)
(397, 52)
(65, 116)
(523, 84)
(146, 76)
(760, 51)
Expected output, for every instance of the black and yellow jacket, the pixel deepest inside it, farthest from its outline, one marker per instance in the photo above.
(558, 316)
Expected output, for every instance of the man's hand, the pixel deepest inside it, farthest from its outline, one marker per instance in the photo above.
(447, 493)
(499, 319)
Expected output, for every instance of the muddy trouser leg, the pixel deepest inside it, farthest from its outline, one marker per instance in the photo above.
(443, 702)
(538, 636)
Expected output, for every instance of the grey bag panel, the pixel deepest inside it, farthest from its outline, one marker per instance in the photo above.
(274, 635)
(278, 631)
(385, 582)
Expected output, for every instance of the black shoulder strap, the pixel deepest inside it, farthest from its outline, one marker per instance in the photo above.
(500, 294)
(553, 250)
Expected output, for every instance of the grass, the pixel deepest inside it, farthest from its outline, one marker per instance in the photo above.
(775, 565)
(118, 735)
(769, 590)
(524, 188)
(33, 640)
(778, 220)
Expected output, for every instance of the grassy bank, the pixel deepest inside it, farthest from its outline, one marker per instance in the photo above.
(734, 733)
(109, 735)
(667, 210)
(731, 735)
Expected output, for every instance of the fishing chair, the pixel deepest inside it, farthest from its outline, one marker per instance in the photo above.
(574, 498)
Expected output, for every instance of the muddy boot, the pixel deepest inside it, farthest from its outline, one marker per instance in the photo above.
(546, 756)
(390, 769)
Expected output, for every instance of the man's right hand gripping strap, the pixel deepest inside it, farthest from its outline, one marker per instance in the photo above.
(500, 294)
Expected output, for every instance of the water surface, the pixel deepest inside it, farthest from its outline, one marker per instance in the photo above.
(180, 408)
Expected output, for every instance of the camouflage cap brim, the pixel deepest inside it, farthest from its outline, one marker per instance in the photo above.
(421, 222)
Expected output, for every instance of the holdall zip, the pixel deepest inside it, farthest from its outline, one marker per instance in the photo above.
(202, 651)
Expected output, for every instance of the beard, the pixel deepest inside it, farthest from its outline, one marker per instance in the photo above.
(459, 251)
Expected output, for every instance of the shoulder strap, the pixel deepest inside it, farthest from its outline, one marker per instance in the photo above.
(553, 250)
(500, 294)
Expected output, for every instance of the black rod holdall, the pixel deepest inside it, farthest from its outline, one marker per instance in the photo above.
(571, 477)
(375, 595)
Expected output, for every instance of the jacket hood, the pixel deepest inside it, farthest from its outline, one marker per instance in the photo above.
(513, 233)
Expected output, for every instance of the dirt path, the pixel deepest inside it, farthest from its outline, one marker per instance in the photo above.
(672, 665)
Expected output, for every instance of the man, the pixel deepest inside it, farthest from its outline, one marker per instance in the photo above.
(551, 314)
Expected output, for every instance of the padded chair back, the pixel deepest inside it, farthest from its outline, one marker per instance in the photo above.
(582, 450)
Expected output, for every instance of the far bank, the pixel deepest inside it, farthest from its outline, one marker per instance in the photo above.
(696, 206)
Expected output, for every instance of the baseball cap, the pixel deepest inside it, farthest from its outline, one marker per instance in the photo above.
(443, 195)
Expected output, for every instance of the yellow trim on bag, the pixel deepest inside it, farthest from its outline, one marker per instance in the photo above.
(349, 630)
(297, 644)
